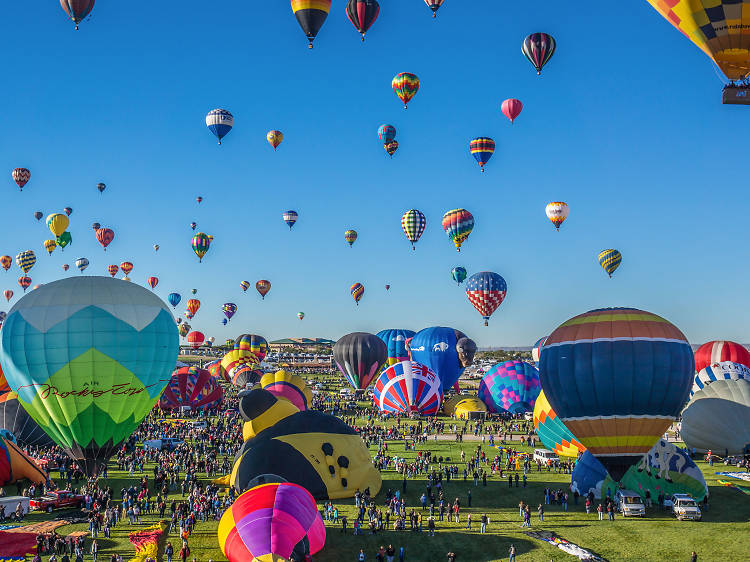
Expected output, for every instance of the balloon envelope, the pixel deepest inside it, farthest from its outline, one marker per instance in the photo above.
(718, 351)
(726, 370)
(408, 388)
(437, 348)
(552, 431)
(395, 341)
(191, 387)
(257, 345)
(512, 386)
(360, 357)
(288, 386)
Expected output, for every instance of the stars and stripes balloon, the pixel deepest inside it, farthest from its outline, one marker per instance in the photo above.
(413, 224)
(406, 86)
(362, 14)
(408, 387)
(458, 224)
(610, 260)
(358, 291)
(538, 48)
(486, 290)
(219, 122)
(482, 148)
(557, 212)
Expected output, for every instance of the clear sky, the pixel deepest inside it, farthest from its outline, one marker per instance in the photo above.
(625, 124)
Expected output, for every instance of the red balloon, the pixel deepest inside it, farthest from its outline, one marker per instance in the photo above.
(153, 282)
(105, 236)
(112, 269)
(25, 282)
(511, 108)
(196, 339)
(8, 294)
(716, 351)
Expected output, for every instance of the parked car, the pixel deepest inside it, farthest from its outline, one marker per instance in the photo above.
(57, 500)
(685, 507)
(629, 503)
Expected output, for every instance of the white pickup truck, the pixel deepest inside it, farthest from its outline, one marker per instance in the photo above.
(684, 507)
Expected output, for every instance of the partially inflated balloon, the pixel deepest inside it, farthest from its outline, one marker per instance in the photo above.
(406, 85)
(486, 291)
(552, 431)
(617, 378)
(288, 386)
(275, 138)
(458, 224)
(395, 341)
(538, 48)
(16, 420)
(82, 333)
(311, 14)
(413, 224)
(512, 386)
(724, 371)
(557, 212)
(360, 357)
(219, 122)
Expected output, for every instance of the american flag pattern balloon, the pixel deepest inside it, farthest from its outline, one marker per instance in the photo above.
(486, 290)
(458, 224)
(408, 388)
(413, 224)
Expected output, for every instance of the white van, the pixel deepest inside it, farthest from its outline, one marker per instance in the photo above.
(11, 502)
(629, 503)
(544, 455)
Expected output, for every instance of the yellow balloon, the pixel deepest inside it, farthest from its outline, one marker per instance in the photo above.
(50, 246)
(57, 223)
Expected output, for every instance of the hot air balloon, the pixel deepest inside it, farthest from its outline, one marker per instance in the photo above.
(406, 85)
(38, 215)
(289, 387)
(459, 274)
(21, 176)
(252, 344)
(512, 386)
(196, 339)
(63, 240)
(174, 299)
(200, 245)
(112, 336)
(536, 350)
(557, 212)
(511, 108)
(610, 260)
(277, 521)
(199, 199)
(552, 431)
(219, 122)
(408, 388)
(156, 247)
(184, 329)
(193, 388)
(126, 267)
(300, 315)
(77, 10)
(617, 378)
(360, 357)
(434, 6)
(482, 148)
(246, 375)
(350, 236)
(458, 224)
(395, 342)
(101, 187)
(538, 48)
(6, 262)
(387, 287)
(290, 217)
(234, 359)
(189, 315)
(486, 291)
(446, 351)
(26, 260)
(152, 282)
(96, 226)
(193, 225)
(245, 286)
(724, 371)
(104, 236)
(311, 14)
(65, 267)
(362, 14)
(229, 309)
(50, 246)
(358, 291)
(24, 282)
(386, 133)
(263, 286)
(718, 351)
(57, 223)
(275, 138)
(194, 291)
(8, 294)
(413, 224)
(82, 263)
(14, 418)
(193, 305)
(391, 148)
(68, 210)
(112, 270)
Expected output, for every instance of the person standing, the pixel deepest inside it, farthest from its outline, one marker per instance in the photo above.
(390, 552)
(94, 550)
(169, 551)
(540, 511)
(512, 553)
(483, 527)
(361, 557)
(600, 510)
(694, 557)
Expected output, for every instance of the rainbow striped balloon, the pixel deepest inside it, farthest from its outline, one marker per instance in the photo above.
(406, 86)
(358, 291)
(482, 148)
(458, 224)
(552, 431)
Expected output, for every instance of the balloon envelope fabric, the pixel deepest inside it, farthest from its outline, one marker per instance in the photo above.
(360, 357)
(395, 341)
(718, 351)
(552, 431)
(266, 523)
(512, 386)
(617, 378)
(289, 387)
(436, 348)
(193, 387)
(726, 370)
(257, 345)
(89, 357)
(408, 387)
(16, 420)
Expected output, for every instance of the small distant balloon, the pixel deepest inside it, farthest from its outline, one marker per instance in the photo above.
(362, 14)
(406, 86)
(24, 282)
(300, 315)
(174, 299)
(199, 199)
(6, 262)
(200, 245)
(386, 133)
(482, 148)
(538, 48)
(413, 224)
(511, 108)
(82, 264)
(557, 212)
(245, 285)
(193, 225)
(290, 217)
(50, 246)
(156, 247)
(105, 236)
(8, 294)
(459, 274)
(153, 282)
(112, 270)
(96, 226)
(65, 267)
(350, 236)
(275, 138)
(387, 287)
(126, 267)
(229, 309)
(68, 210)
(38, 215)
(358, 291)
(391, 148)
(21, 176)
(263, 286)
(610, 260)
(101, 187)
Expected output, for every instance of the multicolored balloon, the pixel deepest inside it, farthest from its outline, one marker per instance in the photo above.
(253, 344)
(193, 388)
(26, 260)
(50, 246)
(511, 108)
(193, 305)
(68, 210)
(6, 262)
(77, 10)
(617, 412)
(391, 147)
(153, 282)
(459, 274)
(82, 264)
(360, 357)
(275, 138)
(362, 14)
(724, 371)
(288, 386)
(245, 286)
(300, 315)
(200, 244)
(263, 286)
(351, 237)
(8, 294)
(219, 122)
(458, 224)
(229, 309)
(557, 212)
(552, 432)
(193, 225)
(358, 291)
(482, 148)
(610, 260)
(718, 351)
(486, 291)
(434, 6)
(311, 14)
(538, 48)
(112, 270)
(536, 350)
(196, 339)
(406, 85)
(512, 386)
(290, 217)
(105, 236)
(21, 176)
(126, 267)
(408, 388)
(395, 342)
(24, 282)
(386, 133)
(446, 351)
(413, 224)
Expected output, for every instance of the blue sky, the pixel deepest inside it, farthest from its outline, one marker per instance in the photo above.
(625, 124)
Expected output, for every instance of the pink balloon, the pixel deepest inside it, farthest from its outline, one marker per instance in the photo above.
(511, 108)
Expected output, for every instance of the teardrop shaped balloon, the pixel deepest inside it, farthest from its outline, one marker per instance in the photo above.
(219, 122)
(174, 299)
(300, 315)
(486, 291)
(362, 14)
(413, 224)
(434, 6)
(406, 86)
(482, 148)
(358, 291)
(50, 246)
(557, 212)
(360, 357)
(386, 133)
(126, 267)
(26, 260)
(200, 245)
(153, 282)
(6, 262)
(96, 226)
(610, 260)
(65, 267)
(275, 138)
(350, 236)
(57, 223)
(511, 108)
(459, 274)
(193, 305)
(199, 199)
(245, 286)
(8, 294)
(24, 282)
(105, 236)
(263, 286)
(21, 176)
(68, 210)
(101, 187)
(156, 247)
(311, 14)
(82, 264)
(391, 148)
(538, 48)
(458, 224)
(77, 10)
(38, 215)
(193, 225)
(112, 269)
(229, 309)
(290, 217)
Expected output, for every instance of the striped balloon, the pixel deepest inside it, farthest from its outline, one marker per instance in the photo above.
(219, 122)
(718, 351)
(406, 85)
(482, 148)
(245, 286)
(358, 291)
(458, 224)
(726, 370)
(21, 176)
(434, 6)
(311, 14)
(617, 377)
(200, 244)
(24, 282)
(486, 291)
(290, 217)
(537, 349)
(112, 269)
(362, 14)
(26, 260)
(252, 343)
(610, 260)
(408, 387)
(351, 237)
(538, 48)
(77, 10)
(413, 224)
(552, 431)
